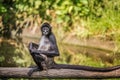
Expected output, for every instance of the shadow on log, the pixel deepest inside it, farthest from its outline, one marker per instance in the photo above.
(57, 73)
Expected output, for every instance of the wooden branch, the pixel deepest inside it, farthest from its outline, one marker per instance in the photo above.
(56, 73)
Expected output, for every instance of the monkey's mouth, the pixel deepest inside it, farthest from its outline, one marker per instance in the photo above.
(45, 33)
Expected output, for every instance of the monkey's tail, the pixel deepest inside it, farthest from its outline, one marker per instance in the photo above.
(87, 68)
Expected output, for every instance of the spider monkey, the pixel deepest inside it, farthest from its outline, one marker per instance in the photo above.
(44, 53)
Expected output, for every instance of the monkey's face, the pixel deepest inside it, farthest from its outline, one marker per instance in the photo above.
(45, 31)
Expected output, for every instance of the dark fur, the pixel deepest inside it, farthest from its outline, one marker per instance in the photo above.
(40, 60)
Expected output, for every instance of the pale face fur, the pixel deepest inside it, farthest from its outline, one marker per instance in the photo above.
(45, 30)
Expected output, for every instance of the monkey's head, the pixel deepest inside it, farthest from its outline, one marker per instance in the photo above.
(46, 29)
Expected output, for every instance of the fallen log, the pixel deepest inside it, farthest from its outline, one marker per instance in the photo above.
(56, 73)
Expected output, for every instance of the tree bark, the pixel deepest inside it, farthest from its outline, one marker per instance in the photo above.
(57, 73)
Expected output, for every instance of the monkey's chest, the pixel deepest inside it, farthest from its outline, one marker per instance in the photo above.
(45, 45)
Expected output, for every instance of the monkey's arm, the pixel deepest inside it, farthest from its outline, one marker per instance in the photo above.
(32, 46)
(49, 53)
(33, 49)
(53, 40)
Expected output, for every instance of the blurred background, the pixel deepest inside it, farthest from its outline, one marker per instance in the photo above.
(87, 31)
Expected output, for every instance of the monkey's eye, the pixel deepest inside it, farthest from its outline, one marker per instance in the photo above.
(45, 29)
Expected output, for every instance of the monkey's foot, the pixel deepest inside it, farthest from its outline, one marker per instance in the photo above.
(33, 70)
(44, 65)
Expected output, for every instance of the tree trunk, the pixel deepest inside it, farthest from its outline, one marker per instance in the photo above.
(56, 73)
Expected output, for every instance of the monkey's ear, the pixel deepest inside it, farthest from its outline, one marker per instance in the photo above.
(50, 27)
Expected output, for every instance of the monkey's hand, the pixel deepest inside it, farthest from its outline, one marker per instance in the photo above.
(49, 53)
(44, 56)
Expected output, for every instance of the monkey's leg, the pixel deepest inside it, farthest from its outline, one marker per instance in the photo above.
(44, 62)
(44, 65)
(38, 59)
(33, 70)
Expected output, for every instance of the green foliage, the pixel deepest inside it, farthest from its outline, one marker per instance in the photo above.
(101, 14)
(13, 54)
(2, 58)
(2, 9)
(81, 18)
